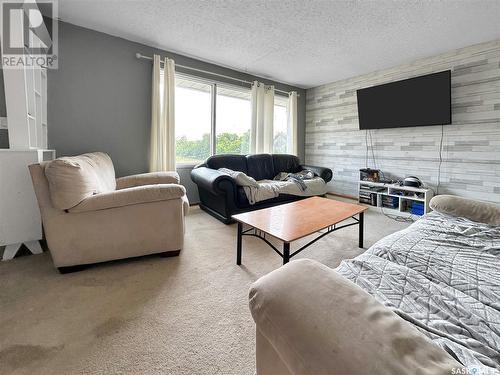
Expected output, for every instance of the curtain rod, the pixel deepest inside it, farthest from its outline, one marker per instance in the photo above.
(140, 56)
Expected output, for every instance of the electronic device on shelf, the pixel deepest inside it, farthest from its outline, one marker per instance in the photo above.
(390, 202)
(365, 196)
(387, 181)
(412, 181)
(368, 174)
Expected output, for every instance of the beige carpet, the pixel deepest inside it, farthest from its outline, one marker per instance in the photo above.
(183, 315)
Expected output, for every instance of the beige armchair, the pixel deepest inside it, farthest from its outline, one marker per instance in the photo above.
(90, 217)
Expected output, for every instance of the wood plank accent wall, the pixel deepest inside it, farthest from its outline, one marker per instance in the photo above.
(471, 144)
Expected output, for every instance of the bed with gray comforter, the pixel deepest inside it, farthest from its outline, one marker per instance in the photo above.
(443, 275)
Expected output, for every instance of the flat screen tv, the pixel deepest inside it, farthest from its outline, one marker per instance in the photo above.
(419, 101)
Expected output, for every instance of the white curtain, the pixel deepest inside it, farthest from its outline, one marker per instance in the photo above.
(292, 141)
(162, 157)
(261, 132)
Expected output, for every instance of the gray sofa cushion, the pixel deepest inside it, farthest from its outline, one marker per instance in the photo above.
(482, 212)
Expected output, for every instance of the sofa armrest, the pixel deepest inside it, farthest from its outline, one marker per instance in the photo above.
(130, 196)
(318, 322)
(325, 173)
(482, 212)
(152, 178)
(212, 180)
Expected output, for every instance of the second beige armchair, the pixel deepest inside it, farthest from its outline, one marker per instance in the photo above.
(90, 217)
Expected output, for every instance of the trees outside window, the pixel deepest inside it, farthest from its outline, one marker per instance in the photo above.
(193, 120)
(212, 118)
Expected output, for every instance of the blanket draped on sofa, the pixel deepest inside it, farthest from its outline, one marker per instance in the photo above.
(442, 275)
(257, 191)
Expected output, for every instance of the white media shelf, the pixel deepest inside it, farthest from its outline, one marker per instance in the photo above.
(401, 197)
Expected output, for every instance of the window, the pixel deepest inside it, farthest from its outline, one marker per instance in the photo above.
(280, 125)
(234, 115)
(210, 118)
(213, 118)
(193, 120)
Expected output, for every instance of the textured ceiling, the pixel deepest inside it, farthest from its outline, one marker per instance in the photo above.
(305, 43)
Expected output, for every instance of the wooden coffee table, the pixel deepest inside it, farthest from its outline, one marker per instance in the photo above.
(292, 221)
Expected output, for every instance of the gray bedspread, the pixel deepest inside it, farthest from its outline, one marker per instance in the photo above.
(443, 275)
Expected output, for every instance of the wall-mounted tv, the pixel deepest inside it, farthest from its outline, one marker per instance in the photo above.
(419, 101)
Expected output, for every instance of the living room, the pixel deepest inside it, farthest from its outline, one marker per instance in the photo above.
(266, 187)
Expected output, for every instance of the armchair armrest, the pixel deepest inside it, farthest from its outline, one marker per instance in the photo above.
(212, 180)
(325, 173)
(152, 178)
(130, 196)
(318, 322)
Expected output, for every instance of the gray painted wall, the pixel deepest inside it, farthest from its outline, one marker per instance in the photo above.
(3, 109)
(99, 99)
(4, 137)
(471, 154)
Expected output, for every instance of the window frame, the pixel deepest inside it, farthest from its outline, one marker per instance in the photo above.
(213, 92)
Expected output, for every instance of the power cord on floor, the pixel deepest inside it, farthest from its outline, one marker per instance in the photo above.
(401, 219)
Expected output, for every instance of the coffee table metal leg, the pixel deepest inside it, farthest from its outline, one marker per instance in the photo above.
(238, 245)
(361, 228)
(286, 252)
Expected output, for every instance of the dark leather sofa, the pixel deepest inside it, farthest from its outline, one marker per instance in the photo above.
(219, 195)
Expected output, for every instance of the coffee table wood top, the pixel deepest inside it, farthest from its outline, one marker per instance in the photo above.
(291, 221)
